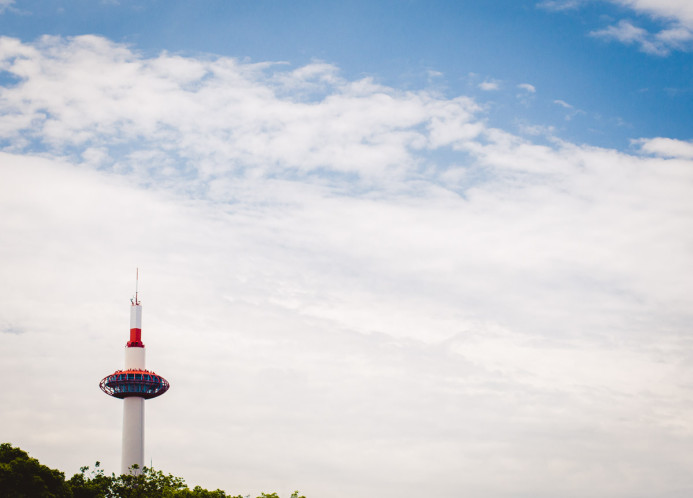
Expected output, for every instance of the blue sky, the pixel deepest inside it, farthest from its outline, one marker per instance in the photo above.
(386, 249)
(618, 92)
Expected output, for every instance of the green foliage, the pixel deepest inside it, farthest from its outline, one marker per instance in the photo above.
(21, 475)
(24, 477)
(95, 485)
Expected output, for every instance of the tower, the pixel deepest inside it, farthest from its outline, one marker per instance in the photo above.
(134, 385)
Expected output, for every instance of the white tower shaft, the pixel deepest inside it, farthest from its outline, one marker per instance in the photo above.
(133, 435)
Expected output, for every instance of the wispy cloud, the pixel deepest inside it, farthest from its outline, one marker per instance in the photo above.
(526, 94)
(675, 17)
(679, 11)
(9, 329)
(536, 130)
(246, 114)
(563, 104)
(489, 85)
(558, 5)
(5, 4)
(368, 271)
(569, 107)
(661, 43)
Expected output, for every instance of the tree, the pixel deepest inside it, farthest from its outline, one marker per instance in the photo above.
(95, 485)
(24, 477)
(21, 475)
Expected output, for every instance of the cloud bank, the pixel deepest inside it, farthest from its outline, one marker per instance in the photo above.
(354, 290)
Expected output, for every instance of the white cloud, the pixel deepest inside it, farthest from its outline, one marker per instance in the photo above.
(572, 110)
(526, 93)
(563, 104)
(661, 43)
(676, 37)
(347, 277)
(537, 130)
(558, 5)
(666, 147)
(489, 85)
(676, 10)
(5, 4)
(237, 111)
(679, 10)
(675, 15)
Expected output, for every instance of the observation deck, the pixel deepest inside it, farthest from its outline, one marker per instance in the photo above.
(136, 383)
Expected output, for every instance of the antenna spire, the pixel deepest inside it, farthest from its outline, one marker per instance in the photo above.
(137, 283)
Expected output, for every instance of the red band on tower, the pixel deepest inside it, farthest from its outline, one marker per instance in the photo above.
(135, 339)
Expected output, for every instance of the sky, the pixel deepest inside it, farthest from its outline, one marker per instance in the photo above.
(386, 248)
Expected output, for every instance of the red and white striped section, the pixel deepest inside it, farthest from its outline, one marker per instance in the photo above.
(135, 326)
(134, 352)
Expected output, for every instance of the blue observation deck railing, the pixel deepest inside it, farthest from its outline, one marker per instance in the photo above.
(140, 383)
